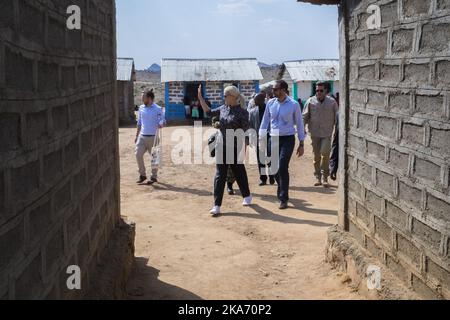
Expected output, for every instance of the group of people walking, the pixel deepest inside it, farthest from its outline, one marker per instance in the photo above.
(278, 121)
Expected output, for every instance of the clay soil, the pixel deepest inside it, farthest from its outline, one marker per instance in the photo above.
(257, 252)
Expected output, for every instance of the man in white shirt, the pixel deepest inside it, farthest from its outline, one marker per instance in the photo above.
(151, 118)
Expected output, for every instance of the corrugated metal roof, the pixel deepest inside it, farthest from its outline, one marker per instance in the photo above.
(313, 70)
(186, 70)
(125, 69)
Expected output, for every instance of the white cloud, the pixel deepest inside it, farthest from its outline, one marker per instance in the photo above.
(234, 7)
(273, 23)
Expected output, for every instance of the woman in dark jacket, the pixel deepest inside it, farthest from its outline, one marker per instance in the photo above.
(233, 117)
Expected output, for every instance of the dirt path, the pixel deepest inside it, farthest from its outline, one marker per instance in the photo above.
(247, 253)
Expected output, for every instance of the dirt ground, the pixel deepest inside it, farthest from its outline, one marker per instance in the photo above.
(251, 253)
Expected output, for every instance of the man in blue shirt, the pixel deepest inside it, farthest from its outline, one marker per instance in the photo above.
(283, 115)
(151, 118)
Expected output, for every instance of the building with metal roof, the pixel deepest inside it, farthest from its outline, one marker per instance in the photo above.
(126, 76)
(182, 78)
(302, 76)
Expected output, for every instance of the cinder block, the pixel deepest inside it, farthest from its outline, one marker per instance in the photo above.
(363, 215)
(28, 173)
(418, 74)
(413, 134)
(398, 269)
(442, 74)
(62, 198)
(435, 37)
(54, 252)
(389, 73)
(364, 171)
(439, 141)
(432, 106)
(53, 166)
(399, 160)
(438, 273)
(396, 216)
(9, 127)
(438, 209)
(374, 249)
(383, 231)
(409, 251)
(18, 71)
(376, 151)
(354, 186)
(387, 127)
(378, 44)
(427, 170)
(367, 72)
(373, 202)
(385, 182)
(376, 100)
(400, 102)
(402, 41)
(365, 122)
(7, 14)
(37, 126)
(40, 222)
(48, 77)
(356, 232)
(427, 235)
(410, 195)
(73, 226)
(357, 97)
(413, 8)
(60, 117)
(29, 284)
(420, 287)
(11, 243)
(31, 22)
(87, 207)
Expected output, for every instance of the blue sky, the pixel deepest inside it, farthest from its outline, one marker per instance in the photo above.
(271, 30)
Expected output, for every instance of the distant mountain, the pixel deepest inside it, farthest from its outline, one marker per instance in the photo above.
(154, 68)
(268, 66)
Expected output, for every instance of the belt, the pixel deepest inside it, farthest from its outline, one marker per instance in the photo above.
(147, 136)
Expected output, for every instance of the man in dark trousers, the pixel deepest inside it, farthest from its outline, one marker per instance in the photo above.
(283, 117)
(256, 116)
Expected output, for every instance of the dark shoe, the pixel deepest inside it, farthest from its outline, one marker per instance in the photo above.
(141, 179)
(272, 181)
(318, 182)
(284, 205)
(230, 192)
(325, 183)
(333, 176)
(263, 183)
(152, 181)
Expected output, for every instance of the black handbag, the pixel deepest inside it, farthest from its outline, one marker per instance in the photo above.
(212, 144)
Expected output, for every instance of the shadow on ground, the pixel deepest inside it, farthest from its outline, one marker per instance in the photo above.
(145, 285)
(266, 214)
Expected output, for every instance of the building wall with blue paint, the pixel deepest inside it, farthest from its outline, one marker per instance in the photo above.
(212, 91)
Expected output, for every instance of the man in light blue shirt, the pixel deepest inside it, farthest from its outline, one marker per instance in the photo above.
(151, 118)
(284, 118)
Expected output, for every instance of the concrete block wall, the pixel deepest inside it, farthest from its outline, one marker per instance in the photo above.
(59, 192)
(214, 93)
(248, 89)
(398, 139)
(176, 92)
(125, 100)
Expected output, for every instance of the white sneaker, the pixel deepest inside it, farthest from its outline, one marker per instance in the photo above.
(247, 201)
(215, 211)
